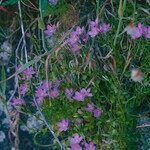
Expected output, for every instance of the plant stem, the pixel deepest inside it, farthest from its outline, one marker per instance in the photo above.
(22, 30)
(121, 11)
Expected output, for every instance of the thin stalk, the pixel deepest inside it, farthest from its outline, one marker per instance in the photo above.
(48, 125)
(22, 30)
(42, 31)
(120, 11)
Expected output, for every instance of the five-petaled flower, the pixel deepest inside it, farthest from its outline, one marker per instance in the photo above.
(82, 94)
(97, 112)
(50, 30)
(17, 101)
(63, 125)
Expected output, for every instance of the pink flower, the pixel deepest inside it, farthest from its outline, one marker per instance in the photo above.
(17, 101)
(93, 32)
(29, 72)
(86, 92)
(95, 28)
(79, 30)
(74, 38)
(75, 48)
(75, 146)
(146, 32)
(94, 23)
(97, 112)
(46, 85)
(75, 141)
(136, 75)
(41, 93)
(104, 28)
(63, 125)
(135, 32)
(23, 89)
(54, 93)
(50, 30)
(82, 94)
(69, 93)
(90, 107)
(90, 146)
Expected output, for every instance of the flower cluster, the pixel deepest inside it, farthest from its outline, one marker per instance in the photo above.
(17, 101)
(50, 30)
(95, 28)
(26, 75)
(137, 31)
(96, 111)
(80, 35)
(78, 95)
(63, 125)
(49, 89)
(74, 40)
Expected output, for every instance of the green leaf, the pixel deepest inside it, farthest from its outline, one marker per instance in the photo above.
(41, 24)
(43, 6)
(25, 66)
(9, 2)
(3, 86)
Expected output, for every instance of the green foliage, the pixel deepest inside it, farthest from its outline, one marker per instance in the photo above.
(9, 2)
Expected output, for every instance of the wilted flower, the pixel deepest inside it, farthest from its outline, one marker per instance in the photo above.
(50, 30)
(135, 32)
(90, 107)
(56, 84)
(17, 101)
(136, 75)
(29, 72)
(2, 136)
(6, 122)
(53, 2)
(69, 93)
(23, 88)
(97, 112)
(79, 121)
(63, 125)
(90, 146)
(33, 124)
